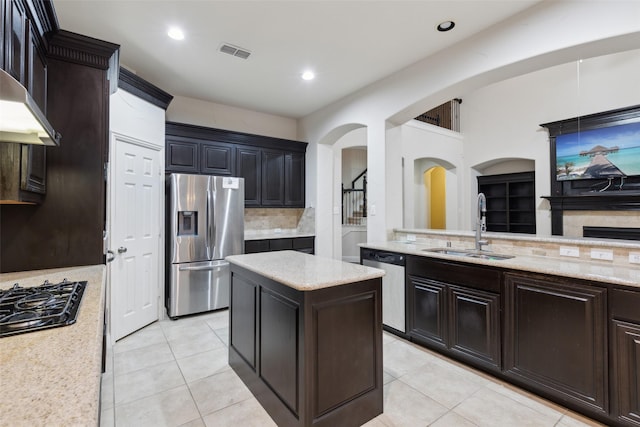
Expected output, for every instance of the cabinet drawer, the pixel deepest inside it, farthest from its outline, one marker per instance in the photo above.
(280, 244)
(254, 246)
(303, 243)
(625, 305)
(480, 277)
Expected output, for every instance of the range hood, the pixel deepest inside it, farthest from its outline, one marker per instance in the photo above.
(21, 120)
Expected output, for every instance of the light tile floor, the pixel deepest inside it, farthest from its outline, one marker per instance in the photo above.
(175, 373)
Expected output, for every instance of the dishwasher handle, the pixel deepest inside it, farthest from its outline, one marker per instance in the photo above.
(384, 257)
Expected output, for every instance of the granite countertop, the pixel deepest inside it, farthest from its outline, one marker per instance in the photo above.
(52, 377)
(599, 271)
(271, 234)
(302, 271)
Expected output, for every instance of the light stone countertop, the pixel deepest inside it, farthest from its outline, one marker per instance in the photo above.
(302, 271)
(52, 377)
(599, 271)
(522, 237)
(271, 234)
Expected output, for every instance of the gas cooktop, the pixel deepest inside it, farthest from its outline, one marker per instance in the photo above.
(49, 305)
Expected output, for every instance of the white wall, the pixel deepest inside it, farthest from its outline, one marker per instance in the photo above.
(548, 34)
(502, 120)
(423, 147)
(354, 161)
(202, 113)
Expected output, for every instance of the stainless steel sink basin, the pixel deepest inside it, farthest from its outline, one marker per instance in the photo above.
(469, 253)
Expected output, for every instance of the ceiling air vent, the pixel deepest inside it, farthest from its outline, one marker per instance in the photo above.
(234, 50)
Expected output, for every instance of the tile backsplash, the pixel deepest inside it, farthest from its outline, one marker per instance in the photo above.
(279, 218)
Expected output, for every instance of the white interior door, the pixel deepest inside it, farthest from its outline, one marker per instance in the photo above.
(135, 222)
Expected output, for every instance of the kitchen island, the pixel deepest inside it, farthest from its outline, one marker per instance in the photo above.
(306, 337)
(52, 377)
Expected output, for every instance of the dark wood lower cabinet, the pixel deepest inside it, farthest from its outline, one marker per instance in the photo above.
(279, 346)
(311, 358)
(428, 312)
(300, 244)
(463, 321)
(244, 334)
(556, 339)
(625, 350)
(474, 324)
(573, 341)
(626, 371)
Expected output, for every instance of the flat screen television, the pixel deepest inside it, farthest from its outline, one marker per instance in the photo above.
(601, 153)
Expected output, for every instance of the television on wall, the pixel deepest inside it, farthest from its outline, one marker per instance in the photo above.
(602, 153)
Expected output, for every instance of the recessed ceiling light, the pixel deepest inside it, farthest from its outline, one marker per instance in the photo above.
(446, 26)
(175, 33)
(308, 75)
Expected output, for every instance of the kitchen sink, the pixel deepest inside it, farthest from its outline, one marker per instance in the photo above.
(469, 253)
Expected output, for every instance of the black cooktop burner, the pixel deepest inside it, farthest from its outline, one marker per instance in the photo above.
(40, 307)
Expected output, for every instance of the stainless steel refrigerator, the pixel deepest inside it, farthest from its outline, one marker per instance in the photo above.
(205, 223)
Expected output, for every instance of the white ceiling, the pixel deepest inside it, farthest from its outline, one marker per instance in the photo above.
(349, 44)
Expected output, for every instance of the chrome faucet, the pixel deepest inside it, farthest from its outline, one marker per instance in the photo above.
(481, 224)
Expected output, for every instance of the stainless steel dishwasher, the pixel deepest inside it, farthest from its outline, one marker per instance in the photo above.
(393, 293)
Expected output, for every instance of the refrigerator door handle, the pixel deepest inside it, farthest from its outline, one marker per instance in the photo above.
(212, 236)
(209, 222)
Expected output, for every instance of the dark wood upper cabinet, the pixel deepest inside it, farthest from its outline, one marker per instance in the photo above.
(217, 159)
(15, 28)
(250, 168)
(34, 169)
(273, 169)
(36, 69)
(22, 173)
(272, 178)
(294, 179)
(23, 56)
(182, 156)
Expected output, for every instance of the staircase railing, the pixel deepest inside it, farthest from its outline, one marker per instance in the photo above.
(354, 201)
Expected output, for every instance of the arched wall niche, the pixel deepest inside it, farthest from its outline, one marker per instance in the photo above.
(420, 194)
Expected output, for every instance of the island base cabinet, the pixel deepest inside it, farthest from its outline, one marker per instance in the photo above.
(243, 333)
(555, 339)
(311, 358)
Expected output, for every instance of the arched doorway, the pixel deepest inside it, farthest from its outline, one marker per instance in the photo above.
(435, 186)
(350, 166)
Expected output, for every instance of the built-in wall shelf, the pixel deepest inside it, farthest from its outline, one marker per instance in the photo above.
(510, 202)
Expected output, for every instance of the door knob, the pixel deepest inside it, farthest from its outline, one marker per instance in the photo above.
(110, 256)
(122, 250)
